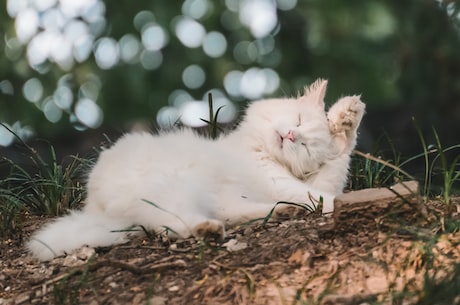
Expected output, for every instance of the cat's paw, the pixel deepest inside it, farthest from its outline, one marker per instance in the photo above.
(287, 211)
(211, 228)
(346, 114)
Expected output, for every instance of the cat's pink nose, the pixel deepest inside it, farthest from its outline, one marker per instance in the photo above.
(290, 135)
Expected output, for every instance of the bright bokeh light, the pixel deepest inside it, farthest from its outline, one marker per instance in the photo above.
(167, 117)
(227, 112)
(154, 37)
(33, 90)
(57, 31)
(129, 48)
(67, 33)
(8, 133)
(232, 83)
(193, 77)
(82, 48)
(107, 53)
(63, 97)
(185, 109)
(179, 97)
(190, 32)
(195, 113)
(252, 84)
(196, 8)
(52, 19)
(88, 113)
(6, 137)
(214, 44)
(83, 8)
(272, 81)
(26, 25)
(52, 112)
(259, 16)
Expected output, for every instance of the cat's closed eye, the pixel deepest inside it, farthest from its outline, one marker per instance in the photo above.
(299, 120)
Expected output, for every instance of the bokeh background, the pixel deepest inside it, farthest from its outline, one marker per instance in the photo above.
(73, 70)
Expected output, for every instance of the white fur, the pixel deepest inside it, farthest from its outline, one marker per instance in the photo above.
(283, 150)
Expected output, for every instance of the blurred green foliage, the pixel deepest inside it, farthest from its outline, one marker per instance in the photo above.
(402, 56)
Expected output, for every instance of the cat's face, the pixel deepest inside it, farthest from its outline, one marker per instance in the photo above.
(295, 132)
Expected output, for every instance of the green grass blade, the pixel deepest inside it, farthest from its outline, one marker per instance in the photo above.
(427, 179)
(166, 211)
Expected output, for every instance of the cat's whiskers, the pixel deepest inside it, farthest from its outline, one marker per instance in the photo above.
(306, 147)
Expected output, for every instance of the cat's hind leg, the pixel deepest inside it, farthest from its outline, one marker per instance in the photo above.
(210, 228)
(196, 225)
(202, 228)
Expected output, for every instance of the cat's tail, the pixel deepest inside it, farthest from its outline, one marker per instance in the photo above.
(74, 231)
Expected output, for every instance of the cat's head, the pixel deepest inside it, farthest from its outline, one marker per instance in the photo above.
(293, 131)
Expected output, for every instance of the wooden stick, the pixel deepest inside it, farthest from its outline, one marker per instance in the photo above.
(374, 202)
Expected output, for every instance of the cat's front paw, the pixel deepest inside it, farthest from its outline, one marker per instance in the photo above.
(346, 114)
(211, 228)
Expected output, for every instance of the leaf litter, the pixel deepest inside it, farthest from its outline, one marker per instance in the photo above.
(298, 261)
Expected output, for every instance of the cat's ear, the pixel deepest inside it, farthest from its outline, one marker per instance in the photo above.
(316, 92)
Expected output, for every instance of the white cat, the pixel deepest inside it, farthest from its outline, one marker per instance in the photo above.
(283, 150)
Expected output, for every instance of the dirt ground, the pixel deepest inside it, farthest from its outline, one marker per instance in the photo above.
(305, 260)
